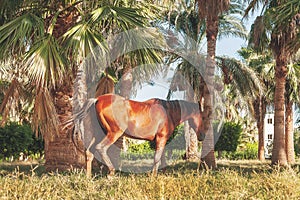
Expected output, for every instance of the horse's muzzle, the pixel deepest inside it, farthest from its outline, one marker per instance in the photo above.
(201, 136)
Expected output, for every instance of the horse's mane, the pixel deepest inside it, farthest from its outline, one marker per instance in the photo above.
(105, 86)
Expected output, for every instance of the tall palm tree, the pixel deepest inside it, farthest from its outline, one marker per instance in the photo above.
(188, 22)
(292, 98)
(282, 36)
(284, 44)
(49, 40)
(289, 18)
(263, 65)
(210, 11)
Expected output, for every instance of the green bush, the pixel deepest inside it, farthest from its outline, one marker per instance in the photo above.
(140, 148)
(249, 152)
(15, 138)
(229, 138)
(146, 149)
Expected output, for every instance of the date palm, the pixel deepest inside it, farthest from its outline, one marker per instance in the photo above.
(49, 40)
(188, 22)
(291, 98)
(263, 65)
(210, 11)
(284, 44)
(289, 17)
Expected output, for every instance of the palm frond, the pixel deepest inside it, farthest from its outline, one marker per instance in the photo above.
(125, 17)
(45, 118)
(287, 17)
(45, 63)
(17, 35)
(292, 85)
(259, 35)
(81, 40)
(253, 6)
(8, 9)
(230, 25)
(242, 78)
(10, 94)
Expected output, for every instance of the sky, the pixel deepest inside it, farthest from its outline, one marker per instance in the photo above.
(227, 46)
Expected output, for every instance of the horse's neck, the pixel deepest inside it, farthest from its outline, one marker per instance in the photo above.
(180, 111)
(188, 110)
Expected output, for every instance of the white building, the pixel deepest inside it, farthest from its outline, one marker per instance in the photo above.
(268, 134)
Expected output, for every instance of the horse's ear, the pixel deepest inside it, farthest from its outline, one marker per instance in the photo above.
(200, 106)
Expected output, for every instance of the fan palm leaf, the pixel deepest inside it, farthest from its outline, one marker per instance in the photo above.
(45, 62)
(81, 40)
(125, 18)
(17, 35)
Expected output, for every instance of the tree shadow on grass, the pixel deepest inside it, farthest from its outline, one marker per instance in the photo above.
(244, 167)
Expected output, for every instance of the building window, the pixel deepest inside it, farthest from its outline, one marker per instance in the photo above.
(270, 121)
(270, 136)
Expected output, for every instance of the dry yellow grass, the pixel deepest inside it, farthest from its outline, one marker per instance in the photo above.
(233, 180)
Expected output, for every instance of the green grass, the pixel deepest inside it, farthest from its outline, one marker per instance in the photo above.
(182, 180)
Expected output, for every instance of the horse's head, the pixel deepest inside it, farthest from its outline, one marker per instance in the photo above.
(196, 123)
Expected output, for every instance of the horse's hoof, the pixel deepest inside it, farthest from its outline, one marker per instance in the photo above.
(111, 174)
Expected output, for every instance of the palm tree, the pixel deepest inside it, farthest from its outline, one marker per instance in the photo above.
(291, 98)
(49, 40)
(289, 18)
(282, 36)
(263, 65)
(210, 11)
(188, 22)
(283, 44)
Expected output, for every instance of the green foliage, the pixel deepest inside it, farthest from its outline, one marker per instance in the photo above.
(140, 148)
(229, 138)
(15, 138)
(146, 149)
(249, 152)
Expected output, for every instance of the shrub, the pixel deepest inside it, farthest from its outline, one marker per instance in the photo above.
(139, 148)
(229, 138)
(249, 152)
(15, 138)
(146, 149)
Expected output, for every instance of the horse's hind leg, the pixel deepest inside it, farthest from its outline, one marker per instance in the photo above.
(103, 146)
(89, 159)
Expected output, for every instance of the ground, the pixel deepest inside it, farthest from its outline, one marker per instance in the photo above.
(181, 180)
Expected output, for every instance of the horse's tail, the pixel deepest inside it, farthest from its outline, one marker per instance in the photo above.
(76, 121)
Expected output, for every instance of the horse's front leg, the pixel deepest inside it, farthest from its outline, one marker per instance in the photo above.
(159, 151)
(163, 159)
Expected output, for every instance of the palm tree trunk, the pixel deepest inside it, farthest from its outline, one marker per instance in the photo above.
(289, 133)
(190, 135)
(260, 111)
(208, 155)
(191, 142)
(278, 152)
(60, 152)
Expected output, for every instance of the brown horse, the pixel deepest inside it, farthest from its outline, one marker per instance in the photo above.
(154, 119)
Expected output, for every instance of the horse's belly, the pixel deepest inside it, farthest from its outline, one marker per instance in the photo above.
(146, 132)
